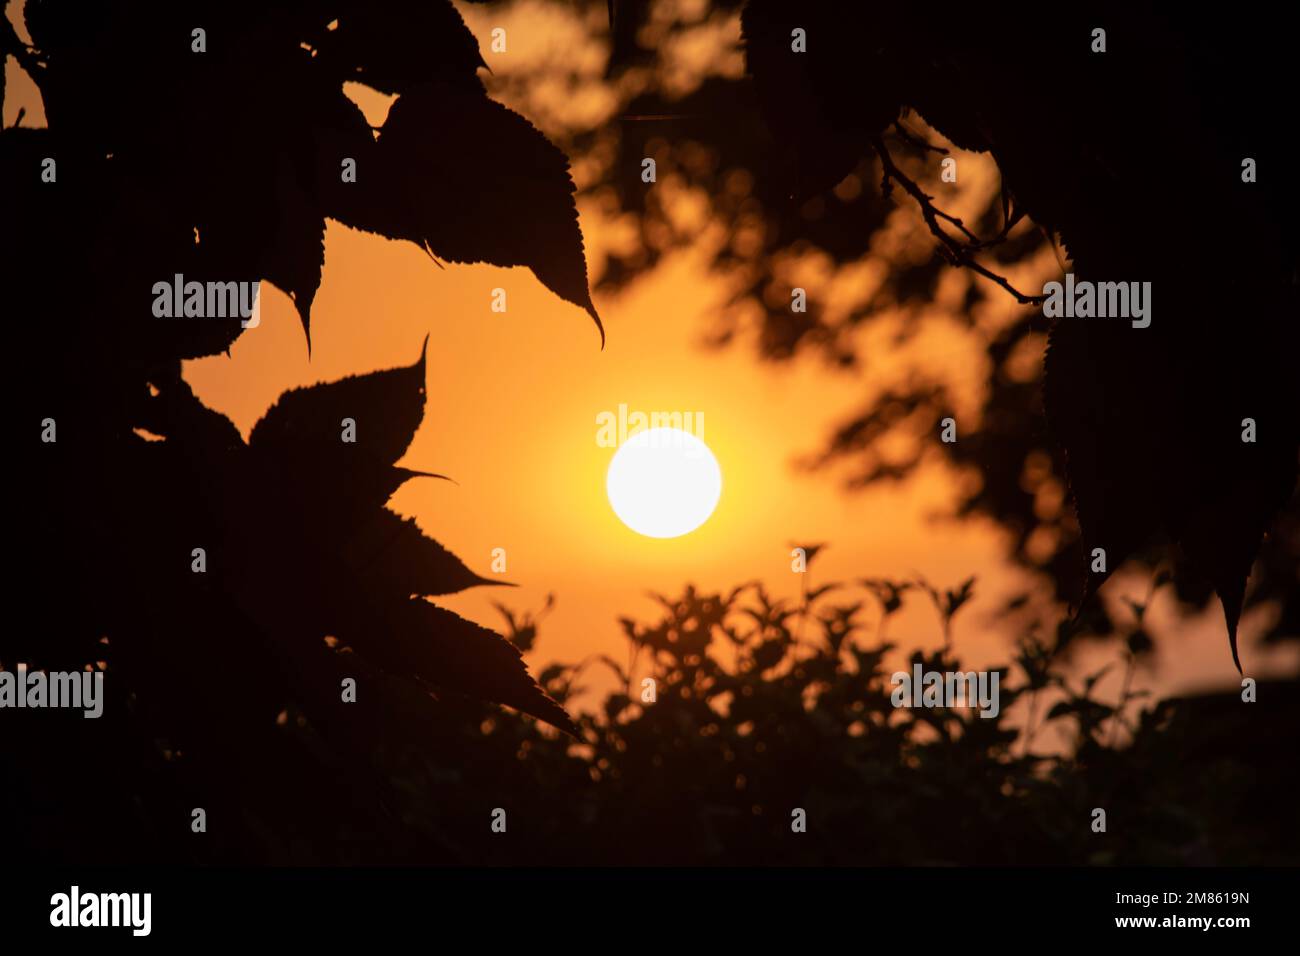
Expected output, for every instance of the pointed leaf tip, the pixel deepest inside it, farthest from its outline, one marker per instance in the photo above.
(1232, 642)
(1232, 592)
(409, 473)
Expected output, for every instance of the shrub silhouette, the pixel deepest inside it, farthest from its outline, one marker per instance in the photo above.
(751, 721)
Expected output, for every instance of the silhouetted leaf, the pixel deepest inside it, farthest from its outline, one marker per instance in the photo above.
(453, 654)
(392, 555)
(392, 45)
(474, 182)
(386, 406)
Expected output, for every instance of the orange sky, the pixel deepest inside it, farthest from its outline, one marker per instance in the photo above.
(511, 416)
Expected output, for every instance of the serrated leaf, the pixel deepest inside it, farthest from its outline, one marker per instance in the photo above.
(472, 181)
(391, 554)
(418, 639)
(387, 407)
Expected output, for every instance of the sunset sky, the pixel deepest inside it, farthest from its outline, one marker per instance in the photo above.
(512, 410)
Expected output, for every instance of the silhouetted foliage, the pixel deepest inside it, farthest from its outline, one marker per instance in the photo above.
(1116, 159)
(222, 165)
(226, 684)
(751, 721)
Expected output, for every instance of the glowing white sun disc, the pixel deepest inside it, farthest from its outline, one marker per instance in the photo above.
(663, 482)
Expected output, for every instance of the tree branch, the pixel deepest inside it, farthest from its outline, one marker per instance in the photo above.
(957, 252)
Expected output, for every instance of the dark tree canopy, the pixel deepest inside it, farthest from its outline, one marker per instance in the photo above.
(1130, 162)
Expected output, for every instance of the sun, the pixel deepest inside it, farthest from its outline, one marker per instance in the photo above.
(663, 483)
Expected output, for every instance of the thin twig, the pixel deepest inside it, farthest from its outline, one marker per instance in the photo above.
(916, 140)
(957, 253)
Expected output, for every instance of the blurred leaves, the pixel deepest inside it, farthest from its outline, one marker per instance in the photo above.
(748, 723)
(1088, 433)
